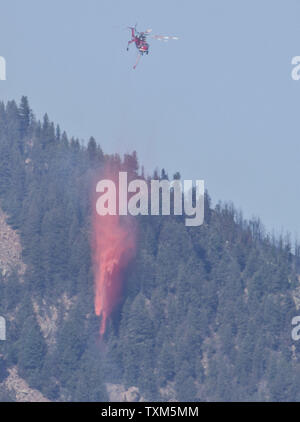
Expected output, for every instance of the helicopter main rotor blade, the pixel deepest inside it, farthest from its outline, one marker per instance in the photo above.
(164, 37)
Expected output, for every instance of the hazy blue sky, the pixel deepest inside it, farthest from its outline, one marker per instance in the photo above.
(218, 104)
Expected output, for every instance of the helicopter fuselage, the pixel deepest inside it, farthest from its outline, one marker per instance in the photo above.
(139, 38)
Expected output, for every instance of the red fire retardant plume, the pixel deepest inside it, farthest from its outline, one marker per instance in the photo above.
(113, 246)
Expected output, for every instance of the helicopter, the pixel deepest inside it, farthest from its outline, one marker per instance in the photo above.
(140, 40)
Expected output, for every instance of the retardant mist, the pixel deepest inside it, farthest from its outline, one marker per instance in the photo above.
(113, 247)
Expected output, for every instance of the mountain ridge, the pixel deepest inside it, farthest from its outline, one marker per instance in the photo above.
(205, 313)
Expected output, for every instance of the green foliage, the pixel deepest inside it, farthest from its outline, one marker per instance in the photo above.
(32, 351)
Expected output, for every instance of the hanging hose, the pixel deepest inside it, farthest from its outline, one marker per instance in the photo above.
(137, 61)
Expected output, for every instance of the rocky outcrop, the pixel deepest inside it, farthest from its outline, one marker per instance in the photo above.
(21, 390)
(48, 316)
(10, 249)
(118, 393)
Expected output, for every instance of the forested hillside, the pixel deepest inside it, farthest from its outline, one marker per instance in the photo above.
(206, 312)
